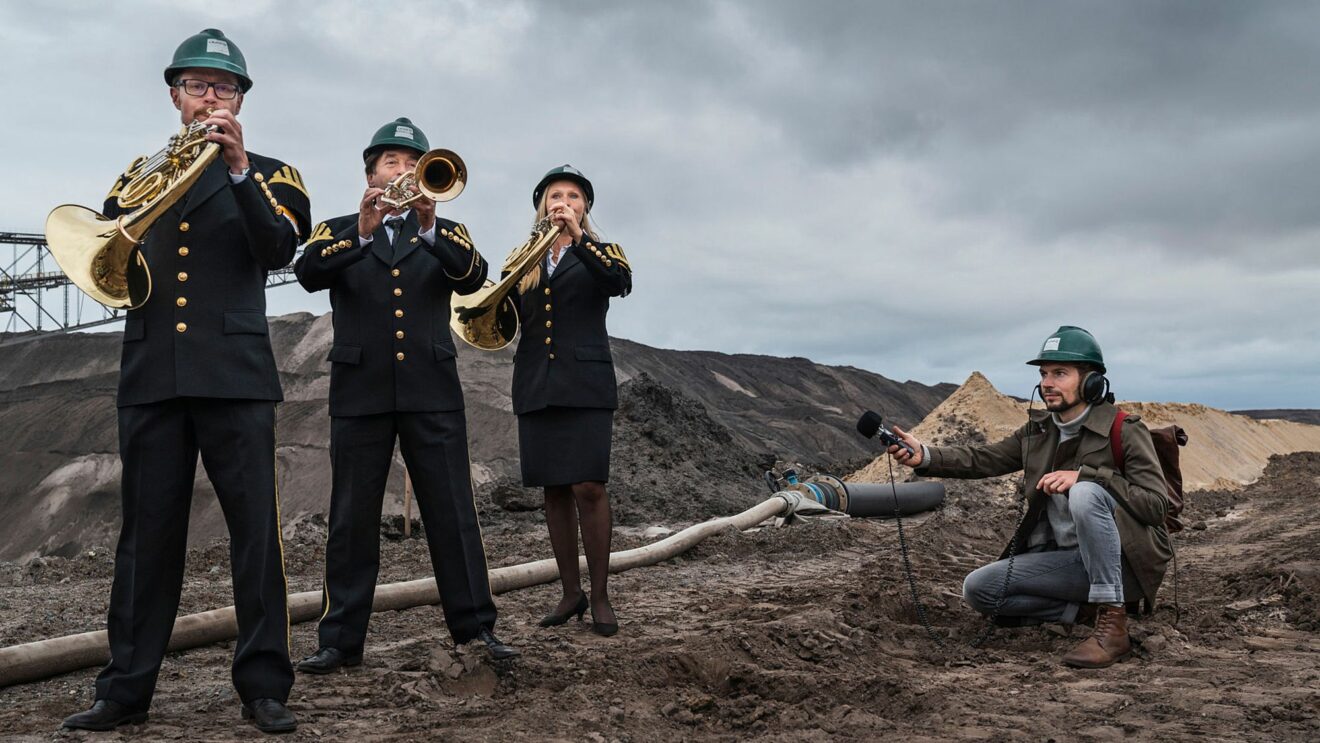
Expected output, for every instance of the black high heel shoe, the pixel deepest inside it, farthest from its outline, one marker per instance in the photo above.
(552, 620)
(604, 629)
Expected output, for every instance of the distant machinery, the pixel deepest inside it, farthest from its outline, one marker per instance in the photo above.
(36, 297)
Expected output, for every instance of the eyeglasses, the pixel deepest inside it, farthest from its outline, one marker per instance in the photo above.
(197, 89)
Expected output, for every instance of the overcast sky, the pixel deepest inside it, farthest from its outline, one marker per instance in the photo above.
(917, 189)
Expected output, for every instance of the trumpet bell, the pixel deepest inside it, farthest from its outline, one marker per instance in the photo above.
(441, 175)
(488, 318)
(481, 325)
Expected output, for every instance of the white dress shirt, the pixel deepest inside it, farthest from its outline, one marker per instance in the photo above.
(428, 236)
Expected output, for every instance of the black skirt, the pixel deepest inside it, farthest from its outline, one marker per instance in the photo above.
(562, 446)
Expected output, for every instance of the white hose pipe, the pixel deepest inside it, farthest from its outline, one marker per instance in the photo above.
(45, 658)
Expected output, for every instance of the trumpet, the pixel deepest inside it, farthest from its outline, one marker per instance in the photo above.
(488, 318)
(94, 250)
(440, 176)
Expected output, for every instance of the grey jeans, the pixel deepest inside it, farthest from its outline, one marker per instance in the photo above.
(1050, 585)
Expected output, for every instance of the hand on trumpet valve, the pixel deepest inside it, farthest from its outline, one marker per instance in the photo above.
(425, 209)
(566, 218)
(369, 214)
(227, 133)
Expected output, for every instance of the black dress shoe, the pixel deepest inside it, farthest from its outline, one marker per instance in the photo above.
(553, 620)
(327, 660)
(104, 715)
(270, 716)
(604, 629)
(498, 650)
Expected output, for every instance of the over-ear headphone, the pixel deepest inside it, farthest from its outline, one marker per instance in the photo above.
(1095, 388)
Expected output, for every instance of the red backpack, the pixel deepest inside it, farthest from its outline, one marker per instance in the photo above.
(1167, 440)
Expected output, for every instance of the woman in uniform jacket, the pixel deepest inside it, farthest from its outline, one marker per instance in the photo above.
(564, 392)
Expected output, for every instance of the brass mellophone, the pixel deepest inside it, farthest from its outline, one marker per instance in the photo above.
(94, 250)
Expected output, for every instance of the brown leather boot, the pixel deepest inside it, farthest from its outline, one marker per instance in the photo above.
(1107, 645)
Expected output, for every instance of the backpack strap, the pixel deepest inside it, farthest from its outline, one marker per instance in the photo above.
(1116, 440)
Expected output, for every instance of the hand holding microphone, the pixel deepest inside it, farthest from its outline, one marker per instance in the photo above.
(908, 451)
(901, 445)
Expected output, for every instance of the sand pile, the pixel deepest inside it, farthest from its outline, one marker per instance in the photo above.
(1225, 450)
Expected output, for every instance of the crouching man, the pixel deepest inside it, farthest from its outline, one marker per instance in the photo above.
(1093, 537)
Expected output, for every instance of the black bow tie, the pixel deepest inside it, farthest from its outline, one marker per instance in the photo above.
(394, 223)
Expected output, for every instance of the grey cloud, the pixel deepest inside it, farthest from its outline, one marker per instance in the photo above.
(919, 189)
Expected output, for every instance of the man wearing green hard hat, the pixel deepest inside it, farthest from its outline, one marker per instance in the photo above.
(391, 268)
(1093, 537)
(198, 376)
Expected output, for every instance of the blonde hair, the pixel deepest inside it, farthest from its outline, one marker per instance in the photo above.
(533, 277)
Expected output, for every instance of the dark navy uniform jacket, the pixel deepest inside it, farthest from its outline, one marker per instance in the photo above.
(202, 332)
(563, 356)
(392, 349)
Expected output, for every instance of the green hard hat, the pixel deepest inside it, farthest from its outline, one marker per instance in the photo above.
(398, 133)
(1070, 344)
(564, 172)
(211, 49)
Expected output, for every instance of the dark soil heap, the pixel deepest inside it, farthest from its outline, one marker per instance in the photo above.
(59, 494)
(673, 462)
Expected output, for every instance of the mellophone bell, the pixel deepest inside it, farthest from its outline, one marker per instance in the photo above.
(184, 243)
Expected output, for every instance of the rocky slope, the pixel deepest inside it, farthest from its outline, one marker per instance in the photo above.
(687, 419)
(1297, 415)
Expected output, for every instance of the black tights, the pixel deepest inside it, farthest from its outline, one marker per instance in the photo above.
(565, 507)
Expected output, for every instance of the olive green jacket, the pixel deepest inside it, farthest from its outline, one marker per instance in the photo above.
(1139, 488)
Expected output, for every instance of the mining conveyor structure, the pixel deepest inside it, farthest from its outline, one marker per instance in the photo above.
(37, 298)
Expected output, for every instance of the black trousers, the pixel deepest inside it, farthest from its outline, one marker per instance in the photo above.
(158, 445)
(434, 448)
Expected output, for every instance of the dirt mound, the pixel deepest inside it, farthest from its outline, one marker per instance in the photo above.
(1275, 569)
(1297, 415)
(60, 489)
(1225, 450)
(675, 463)
(672, 463)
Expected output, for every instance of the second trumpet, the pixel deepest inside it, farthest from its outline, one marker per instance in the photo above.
(440, 175)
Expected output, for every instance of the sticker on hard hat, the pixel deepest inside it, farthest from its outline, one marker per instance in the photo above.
(404, 131)
(1051, 344)
(217, 46)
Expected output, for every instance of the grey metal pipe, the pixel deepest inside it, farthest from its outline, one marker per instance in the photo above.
(877, 500)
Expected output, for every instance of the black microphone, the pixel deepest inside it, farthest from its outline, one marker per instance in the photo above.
(869, 425)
